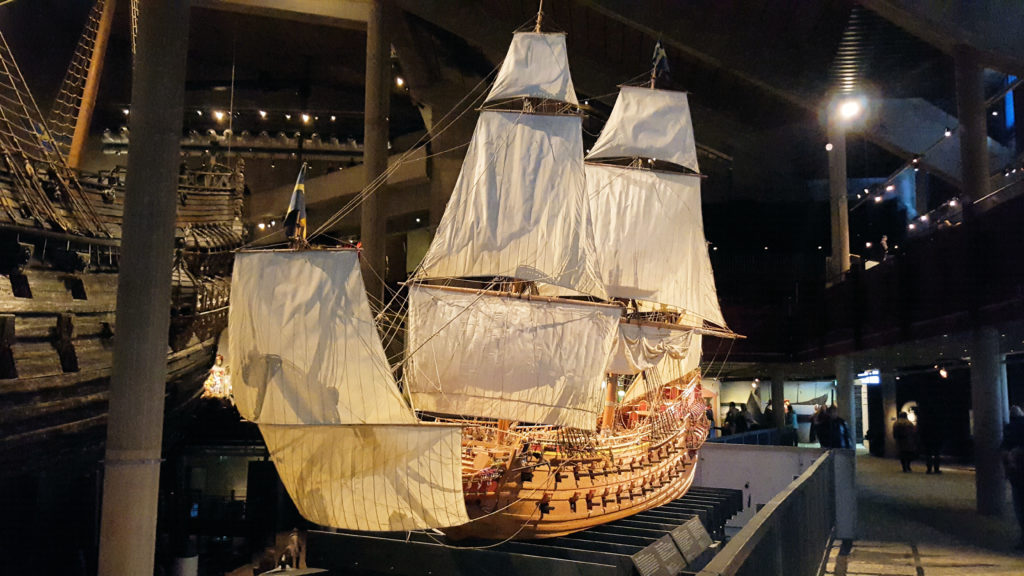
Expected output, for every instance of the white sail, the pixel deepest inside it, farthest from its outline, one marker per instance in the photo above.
(492, 356)
(519, 208)
(303, 344)
(311, 372)
(639, 347)
(536, 66)
(649, 123)
(650, 233)
(372, 477)
(676, 363)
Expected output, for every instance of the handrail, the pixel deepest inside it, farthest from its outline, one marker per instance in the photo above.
(734, 555)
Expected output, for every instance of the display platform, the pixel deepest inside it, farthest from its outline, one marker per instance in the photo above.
(675, 538)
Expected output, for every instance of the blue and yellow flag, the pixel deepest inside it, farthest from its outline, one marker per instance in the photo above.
(659, 62)
(295, 218)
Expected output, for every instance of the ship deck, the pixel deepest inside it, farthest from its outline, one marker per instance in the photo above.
(612, 549)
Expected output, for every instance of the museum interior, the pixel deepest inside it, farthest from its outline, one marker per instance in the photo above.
(581, 287)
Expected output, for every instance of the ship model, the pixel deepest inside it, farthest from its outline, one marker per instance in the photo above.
(60, 232)
(552, 332)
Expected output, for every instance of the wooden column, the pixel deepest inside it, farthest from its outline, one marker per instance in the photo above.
(375, 146)
(135, 423)
(92, 85)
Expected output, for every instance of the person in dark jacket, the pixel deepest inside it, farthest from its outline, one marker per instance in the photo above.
(1013, 462)
(905, 434)
(931, 435)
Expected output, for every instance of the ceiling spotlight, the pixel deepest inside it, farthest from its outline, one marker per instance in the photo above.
(995, 112)
(890, 188)
(263, 114)
(911, 226)
(915, 160)
(765, 247)
(867, 244)
(305, 118)
(952, 203)
(399, 81)
(878, 199)
(273, 222)
(943, 373)
(849, 109)
(199, 112)
(819, 247)
(261, 226)
(287, 116)
(125, 111)
(218, 115)
(333, 118)
(828, 147)
(924, 218)
(947, 133)
(418, 220)
(866, 191)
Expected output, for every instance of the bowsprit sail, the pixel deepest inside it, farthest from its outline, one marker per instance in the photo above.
(311, 372)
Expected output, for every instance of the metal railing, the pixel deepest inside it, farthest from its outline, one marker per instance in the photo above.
(763, 437)
(790, 535)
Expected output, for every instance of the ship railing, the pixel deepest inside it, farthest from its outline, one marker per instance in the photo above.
(791, 534)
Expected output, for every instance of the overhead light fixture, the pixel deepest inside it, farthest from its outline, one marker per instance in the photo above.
(261, 226)
(947, 133)
(995, 112)
(924, 218)
(399, 81)
(943, 373)
(287, 116)
(890, 188)
(218, 115)
(305, 118)
(911, 226)
(867, 244)
(333, 118)
(828, 147)
(263, 114)
(125, 111)
(850, 108)
(878, 199)
(199, 112)
(952, 203)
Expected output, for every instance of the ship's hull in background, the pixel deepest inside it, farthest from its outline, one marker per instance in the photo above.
(58, 291)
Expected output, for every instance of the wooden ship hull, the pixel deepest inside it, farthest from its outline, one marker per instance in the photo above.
(58, 294)
(569, 487)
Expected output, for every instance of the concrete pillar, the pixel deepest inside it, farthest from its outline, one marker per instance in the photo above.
(890, 411)
(135, 422)
(778, 397)
(988, 420)
(372, 221)
(845, 398)
(970, 102)
(840, 215)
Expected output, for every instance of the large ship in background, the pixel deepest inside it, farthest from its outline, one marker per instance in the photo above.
(60, 231)
(552, 333)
